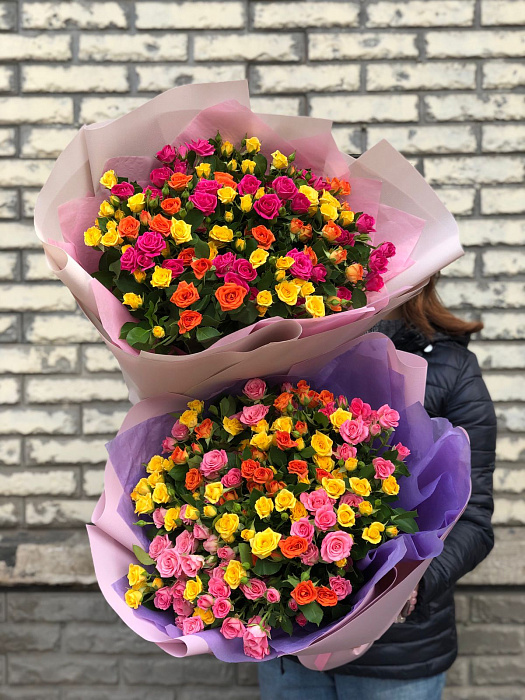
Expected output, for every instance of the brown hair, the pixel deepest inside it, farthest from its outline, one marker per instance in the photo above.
(428, 314)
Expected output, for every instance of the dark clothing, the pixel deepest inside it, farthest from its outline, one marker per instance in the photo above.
(426, 643)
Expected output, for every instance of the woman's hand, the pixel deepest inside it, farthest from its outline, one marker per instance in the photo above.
(409, 606)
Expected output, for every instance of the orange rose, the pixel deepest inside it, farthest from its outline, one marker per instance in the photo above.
(338, 255)
(262, 474)
(179, 456)
(193, 479)
(304, 593)
(334, 304)
(321, 474)
(284, 441)
(205, 428)
(129, 227)
(338, 186)
(230, 296)
(326, 597)
(185, 295)
(299, 467)
(302, 388)
(201, 266)
(311, 254)
(282, 402)
(171, 205)
(225, 179)
(326, 397)
(145, 217)
(354, 273)
(296, 225)
(248, 468)
(160, 224)
(274, 486)
(305, 233)
(188, 321)
(186, 255)
(293, 546)
(178, 181)
(301, 427)
(331, 231)
(263, 236)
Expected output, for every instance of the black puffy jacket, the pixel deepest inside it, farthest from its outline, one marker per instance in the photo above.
(426, 643)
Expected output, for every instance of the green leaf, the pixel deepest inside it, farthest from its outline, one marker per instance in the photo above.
(202, 249)
(286, 625)
(307, 452)
(406, 525)
(205, 334)
(265, 567)
(138, 335)
(104, 277)
(313, 612)
(195, 218)
(358, 298)
(245, 552)
(142, 556)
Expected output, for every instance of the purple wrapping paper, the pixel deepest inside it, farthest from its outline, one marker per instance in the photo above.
(438, 487)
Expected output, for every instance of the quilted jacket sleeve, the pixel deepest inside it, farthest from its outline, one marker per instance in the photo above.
(468, 405)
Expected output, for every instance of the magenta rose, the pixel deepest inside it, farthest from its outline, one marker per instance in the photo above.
(292, 604)
(201, 147)
(219, 588)
(213, 462)
(387, 249)
(383, 467)
(168, 563)
(158, 517)
(221, 608)
(244, 269)
(191, 564)
(163, 598)
(301, 620)
(365, 223)
(318, 273)
(300, 203)
(268, 206)
(340, 586)
(232, 627)
(151, 243)
(209, 186)
(272, 595)
(128, 261)
(251, 415)
(402, 451)
(158, 544)
(317, 182)
(284, 187)
(205, 202)
(345, 238)
(145, 262)
(325, 518)
(254, 589)
(152, 191)
(359, 408)
(254, 389)
(159, 176)
(233, 278)
(248, 185)
(255, 641)
(378, 262)
(176, 265)
(388, 417)
(354, 431)
(167, 154)
(311, 556)
(185, 543)
(192, 625)
(123, 190)
(253, 293)
(224, 263)
(303, 528)
(179, 166)
(232, 478)
(336, 546)
(374, 282)
(302, 266)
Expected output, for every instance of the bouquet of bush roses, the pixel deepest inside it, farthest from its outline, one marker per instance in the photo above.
(222, 237)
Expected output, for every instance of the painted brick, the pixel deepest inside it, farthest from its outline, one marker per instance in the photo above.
(7, 15)
(286, 15)
(414, 140)
(458, 200)
(36, 110)
(18, 235)
(511, 418)
(35, 297)
(421, 76)
(469, 107)
(503, 74)
(505, 387)
(510, 448)
(9, 328)
(248, 47)
(59, 328)
(9, 390)
(421, 13)
(503, 137)
(96, 109)
(102, 420)
(17, 638)
(100, 359)
(10, 449)
(155, 78)
(42, 47)
(7, 142)
(497, 671)
(7, 78)
(365, 108)
(316, 78)
(509, 480)
(23, 359)
(69, 15)
(499, 355)
(497, 12)
(93, 482)
(503, 262)
(74, 79)
(45, 142)
(144, 47)
(213, 672)
(74, 389)
(36, 269)
(8, 205)
(53, 668)
(482, 295)
(490, 607)
(474, 170)
(488, 232)
(480, 44)
(508, 326)
(8, 515)
(481, 639)
(348, 140)
(361, 46)
(289, 106)
(190, 15)
(58, 513)
(30, 421)
(59, 482)
(65, 451)
(503, 200)
(464, 267)
(8, 265)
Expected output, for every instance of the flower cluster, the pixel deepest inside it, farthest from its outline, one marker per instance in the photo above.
(257, 513)
(224, 236)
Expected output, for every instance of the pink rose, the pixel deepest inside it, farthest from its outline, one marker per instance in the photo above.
(292, 605)
(375, 429)
(151, 243)
(344, 293)
(316, 499)
(218, 572)
(232, 478)
(205, 601)
(180, 431)
(249, 184)
(182, 607)
(300, 203)
(255, 641)
(159, 176)
(226, 553)
(123, 190)
(387, 249)
(345, 452)
(224, 263)
(360, 408)
(177, 268)
(272, 595)
(354, 431)
(232, 627)
(213, 462)
(191, 564)
(158, 517)
(244, 269)
(311, 556)
(221, 607)
(254, 389)
(325, 518)
(128, 260)
(201, 532)
(219, 588)
(232, 277)
(177, 590)
(268, 206)
(351, 499)
(209, 186)
(168, 563)
(158, 544)
(345, 238)
(185, 543)
(144, 262)
(284, 187)
(301, 619)
(166, 154)
(251, 415)
(402, 451)
(388, 417)
(201, 147)
(384, 468)
(340, 586)
(302, 266)
(303, 528)
(192, 625)
(319, 273)
(374, 282)
(254, 589)
(210, 545)
(163, 598)
(365, 223)
(336, 546)
(205, 202)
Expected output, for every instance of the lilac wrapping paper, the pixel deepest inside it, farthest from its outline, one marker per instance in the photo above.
(439, 488)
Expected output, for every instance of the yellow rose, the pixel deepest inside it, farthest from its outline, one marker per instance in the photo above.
(323, 462)
(287, 292)
(339, 416)
(134, 301)
(191, 513)
(264, 543)
(279, 161)
(210, 511)
(311, 194)
(253, 145)
(141, 489)
(189, 418)
(193, 588)
(133, 598)
(213, 491)
(284, 262)
(119, 214)
(264, 298)
(345, 515)
(227, 148)
(315, 306)
(392, 531)
(373, 533)
(390, 486)
(327, 198)
(160, 493)
(283, 423)
(228, 216)
(262, 441)
(246, 202)
(346, 217)
(298, 511)
(144, 504)
(214, 251)
(247, 534)
(92, 236)
(137, 202)
(258, 257)
(196, 405)
(300, 443)
(248, 166)
(234, 573)
(170, 518)
(280, 275)
(180, 231)
(221, 233)
(307, 288)
(259, 193)
(157, 583)
(158, 331)
(227, 525)
(232, 425)
(136, 574)
(329, 212)
(360, 486)
(111, 238)
(341, 563)
(284, 500)
(333, 487)
(109, 179)
(226, 195)
(139, 276)
(366, 508)
(232, 164)
(263, 506)
(161, 277)
(322, 444)
(155, 478)
(206, 616)
(351, 464)
(203, 169)
(106, 209)
(158, 463)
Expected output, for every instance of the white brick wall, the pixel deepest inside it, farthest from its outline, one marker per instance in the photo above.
(441, 79)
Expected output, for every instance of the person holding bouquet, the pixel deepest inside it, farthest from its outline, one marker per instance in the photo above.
(411, 659)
